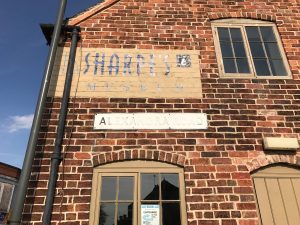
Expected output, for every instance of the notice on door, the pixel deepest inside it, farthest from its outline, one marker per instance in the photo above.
(150, 214)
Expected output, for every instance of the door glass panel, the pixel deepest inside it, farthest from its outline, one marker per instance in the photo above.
(125, 213)
(170, 186)
(149, 187)
(109, 188)
(107, 214)
(171, 213)
(125, 188)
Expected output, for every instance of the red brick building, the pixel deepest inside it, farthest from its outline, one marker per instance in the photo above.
(216, 85)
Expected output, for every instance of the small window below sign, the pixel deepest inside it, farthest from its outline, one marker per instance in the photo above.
(146, 193)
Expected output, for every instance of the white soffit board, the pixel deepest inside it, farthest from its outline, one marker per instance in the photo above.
(279, 143)
(152, 121)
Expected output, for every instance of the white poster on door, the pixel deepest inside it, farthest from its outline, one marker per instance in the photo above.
(150, 214)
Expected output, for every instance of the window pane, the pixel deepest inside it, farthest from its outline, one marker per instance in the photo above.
(125, 213)
(223, 34)
(252, 34)
(109, 187)
(239, 50)
(125, 188)
(170, 186)
(107, 214)
(171, 213)
(267, 34)
(226, 49)
(149, 187)
(236, 34)
(6, 197)
(242, 65)
(257, 50)
(278, 68)
(261, 67)
(149, 203)
(272, 50)
(229, 66)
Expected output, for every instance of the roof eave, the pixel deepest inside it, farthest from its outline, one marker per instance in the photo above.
(92, 11)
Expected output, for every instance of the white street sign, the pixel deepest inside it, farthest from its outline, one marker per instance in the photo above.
(135, 121)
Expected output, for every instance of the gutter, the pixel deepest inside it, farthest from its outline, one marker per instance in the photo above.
(56, 156)
(22, 186)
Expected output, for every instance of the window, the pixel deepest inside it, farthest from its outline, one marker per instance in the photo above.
(136, 192)
(249, 48)
(6, 193)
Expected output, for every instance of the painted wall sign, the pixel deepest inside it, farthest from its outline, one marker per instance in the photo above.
(134, 121)
(129, 73)
(150, 214)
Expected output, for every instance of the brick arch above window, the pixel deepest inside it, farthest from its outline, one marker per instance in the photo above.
(241, 15)
(263, 161)
(139, 154)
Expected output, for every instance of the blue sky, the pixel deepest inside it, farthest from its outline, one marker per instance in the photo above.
(23, 53)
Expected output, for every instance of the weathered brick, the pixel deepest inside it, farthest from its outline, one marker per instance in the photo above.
(217, 161)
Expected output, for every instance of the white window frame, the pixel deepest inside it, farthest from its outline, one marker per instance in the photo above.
(133, 168)
(242, 23)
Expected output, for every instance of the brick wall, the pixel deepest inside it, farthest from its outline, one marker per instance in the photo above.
(217, 161)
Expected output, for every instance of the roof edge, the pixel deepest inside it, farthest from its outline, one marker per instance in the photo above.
(92, 11)
(9, 170)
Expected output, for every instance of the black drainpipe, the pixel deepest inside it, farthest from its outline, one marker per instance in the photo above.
(56, 156)
(22, 186)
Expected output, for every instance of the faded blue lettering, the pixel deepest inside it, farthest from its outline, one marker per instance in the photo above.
(126, 87)
(97, 62)
(143, 87)
(168, 69)
(152, 65)
(91, 86)
(127, 64)
(179, 87)
(111, 66)
(87, 63)
(140, 63)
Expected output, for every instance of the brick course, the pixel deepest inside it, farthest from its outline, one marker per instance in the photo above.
(217, 161)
